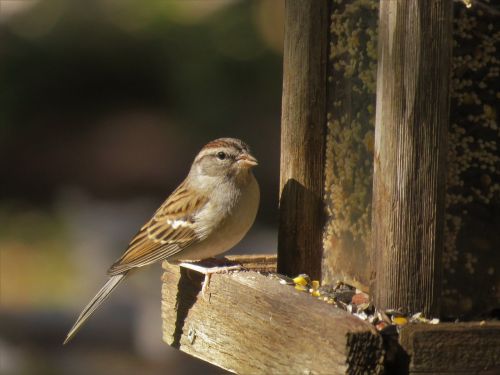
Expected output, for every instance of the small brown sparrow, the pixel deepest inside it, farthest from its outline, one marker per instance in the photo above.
(209, 213)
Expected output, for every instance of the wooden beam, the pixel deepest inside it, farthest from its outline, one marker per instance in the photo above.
(415, 39)
(249, 323)
(303, 123)
(452, 348)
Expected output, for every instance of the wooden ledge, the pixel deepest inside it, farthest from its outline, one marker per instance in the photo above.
(249, 323)
(452, 348)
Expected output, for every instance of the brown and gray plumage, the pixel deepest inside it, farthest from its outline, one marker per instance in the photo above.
(209, 213)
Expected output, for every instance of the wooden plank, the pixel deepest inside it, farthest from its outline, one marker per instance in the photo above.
(303, 124)
(452, 348)
(249, 323)
(412, 114)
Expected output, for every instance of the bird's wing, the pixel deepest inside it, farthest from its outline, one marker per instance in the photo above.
(170, 230)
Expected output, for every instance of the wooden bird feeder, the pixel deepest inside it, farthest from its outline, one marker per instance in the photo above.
(390, 182)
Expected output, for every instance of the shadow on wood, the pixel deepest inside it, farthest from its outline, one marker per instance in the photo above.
(188, 287)
(302, 142)
(299, 240)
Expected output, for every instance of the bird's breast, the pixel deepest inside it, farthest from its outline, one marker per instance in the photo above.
(220, 235)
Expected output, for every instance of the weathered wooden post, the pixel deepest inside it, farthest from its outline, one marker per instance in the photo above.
(302, 137)
(414, 66)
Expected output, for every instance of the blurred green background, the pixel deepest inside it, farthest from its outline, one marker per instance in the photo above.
(103, 105)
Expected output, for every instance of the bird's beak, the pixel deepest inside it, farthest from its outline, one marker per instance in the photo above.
(247, 160)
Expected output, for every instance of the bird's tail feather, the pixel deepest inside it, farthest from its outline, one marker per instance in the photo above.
(99, 298)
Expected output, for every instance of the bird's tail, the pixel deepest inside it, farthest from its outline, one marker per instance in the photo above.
(99, 298)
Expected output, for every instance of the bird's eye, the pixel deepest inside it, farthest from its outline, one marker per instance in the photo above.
(221, 155)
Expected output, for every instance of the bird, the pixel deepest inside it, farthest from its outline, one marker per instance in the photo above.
(208, 214)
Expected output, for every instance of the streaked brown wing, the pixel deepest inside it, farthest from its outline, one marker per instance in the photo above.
(170, 230)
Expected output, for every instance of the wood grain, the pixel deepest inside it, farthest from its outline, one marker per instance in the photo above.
(452, 348)
(249, 323)
(410, 152)
(303, 125)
